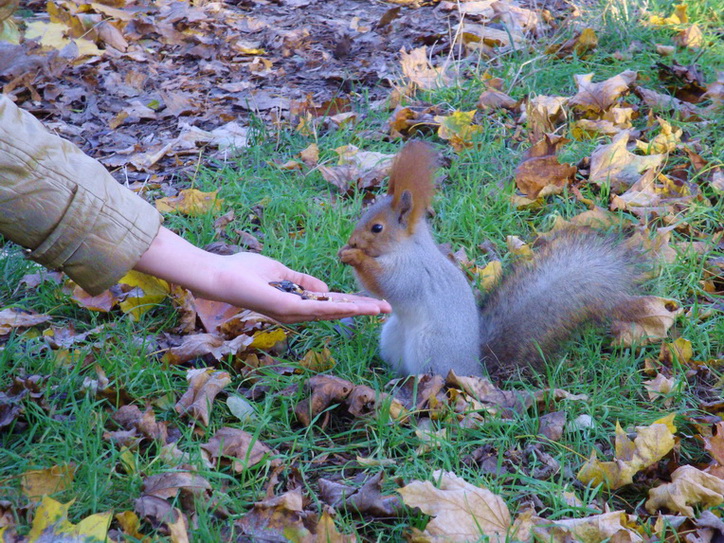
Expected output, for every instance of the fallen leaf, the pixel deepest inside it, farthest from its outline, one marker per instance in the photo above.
(460, 511)
(648, 318)
(143, 293)
(651, 444)
(715, 443)
(169, 485)
(191, 202)
(691, 37)
(458, 128)
(204, 385)
(615, 166)
(614, 526)
(544, 114)
(50, 523)
(665, 142)
(241, 447)
(418, 70)
(689, 486)
(659, 386)
(678, 17)
(41, 482)
(14, 318)
(365, 499)
(582, 43)
(596, 98)
(540, 173)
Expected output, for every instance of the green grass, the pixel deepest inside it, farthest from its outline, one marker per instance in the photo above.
(67, 425)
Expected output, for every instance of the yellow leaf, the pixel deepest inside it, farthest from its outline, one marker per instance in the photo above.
(460, 511)
(458, 128)
(678, 17)
(650, 445)
(190, 202)
(146, 291)
(51, 524)
(266, 339)
(53, 35)
(40, 482)
(490, 275)
(688, 486)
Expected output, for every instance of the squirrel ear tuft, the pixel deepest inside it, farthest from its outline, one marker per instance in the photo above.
(412, 172)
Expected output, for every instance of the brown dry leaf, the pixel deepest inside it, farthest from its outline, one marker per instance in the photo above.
(583, 42)
(495, 99)
(178, 529)
(544, 115)
(490, 397)
(325, 390)
(552, 425)
(715, 443)
(680, 350)
(651, 317)
(191, 202)
(198, 345)
(271, 518)
(664, 102)
(597, 98)
(540, 173)
(689, 486)
(310, 155)
(366, 499)
(664, 142)
(613, 164)
(691, 37)
(418, 70)
(14, 318)
(614, 526)
(318, 361)
(458, 128)
(42, 482)
(460, 510)
(103, 302)
(204, 385)
(357, 169)
(130, 524)
(241, 447)
(168, 485)
(130, 417)
(611, 123)
(651, 444)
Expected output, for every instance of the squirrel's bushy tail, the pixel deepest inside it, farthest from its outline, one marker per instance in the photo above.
(580, 276)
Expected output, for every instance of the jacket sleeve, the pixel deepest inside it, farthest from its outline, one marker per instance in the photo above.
(65, 208)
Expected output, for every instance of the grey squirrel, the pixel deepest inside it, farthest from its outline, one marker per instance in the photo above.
(580, 276)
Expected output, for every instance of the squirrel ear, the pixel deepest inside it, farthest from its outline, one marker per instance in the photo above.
(404, 207)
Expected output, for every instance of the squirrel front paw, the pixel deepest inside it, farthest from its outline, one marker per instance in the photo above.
(352, 256)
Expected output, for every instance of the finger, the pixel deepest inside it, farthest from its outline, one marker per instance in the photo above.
(307, 282)
(306, 310)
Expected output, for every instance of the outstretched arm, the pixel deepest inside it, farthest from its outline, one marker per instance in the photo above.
(243, 280)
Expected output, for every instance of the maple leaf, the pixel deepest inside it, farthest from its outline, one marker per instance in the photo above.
(678, 17)
(204, 385)
(689, 486)
(614, 165)
(12, 318)
(598, 97)
(648, 318)
(461, 511)
(540, 173)
(651, 444)
(417, 68)
(191, 202)
(242, 447)
(40, 482)
(143, 293)
(458, 128)
(50, 523)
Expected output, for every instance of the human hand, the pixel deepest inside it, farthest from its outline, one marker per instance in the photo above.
(243, 280)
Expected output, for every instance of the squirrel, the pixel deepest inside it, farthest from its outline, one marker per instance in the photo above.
(436, 325)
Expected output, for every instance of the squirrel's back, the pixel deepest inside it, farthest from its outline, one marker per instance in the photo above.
(579, 276)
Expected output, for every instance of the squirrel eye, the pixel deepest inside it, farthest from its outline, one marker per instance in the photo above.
(376, 228)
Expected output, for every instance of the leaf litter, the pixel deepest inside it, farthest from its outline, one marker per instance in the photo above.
(79, 66)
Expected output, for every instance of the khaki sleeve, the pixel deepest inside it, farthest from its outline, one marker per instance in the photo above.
(65, 207)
